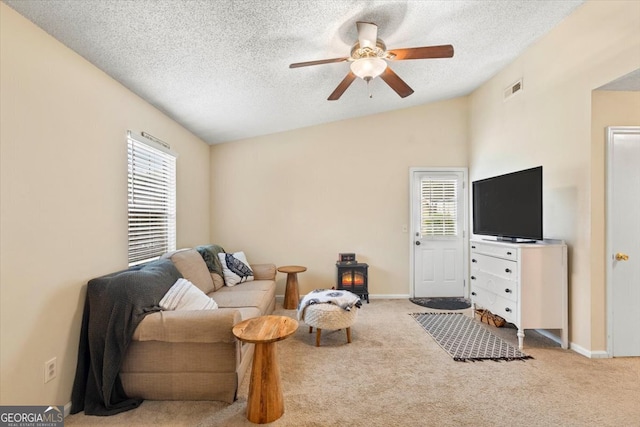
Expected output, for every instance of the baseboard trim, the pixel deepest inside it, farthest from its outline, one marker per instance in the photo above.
(280, 298)
(67, 409)
(553, 337)
(389, 296)
(601, 354)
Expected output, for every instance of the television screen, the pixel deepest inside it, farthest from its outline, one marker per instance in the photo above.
(509, 206)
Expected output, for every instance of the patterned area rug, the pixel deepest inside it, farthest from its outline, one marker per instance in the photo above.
(464, 339)
(443, 303)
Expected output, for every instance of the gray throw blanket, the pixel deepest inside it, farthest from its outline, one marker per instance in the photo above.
(114, 307)
(343, 299)
(209, 254)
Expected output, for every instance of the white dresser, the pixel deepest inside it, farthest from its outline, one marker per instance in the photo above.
(525, 283)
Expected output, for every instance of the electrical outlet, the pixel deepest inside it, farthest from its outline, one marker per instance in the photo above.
(50, 370)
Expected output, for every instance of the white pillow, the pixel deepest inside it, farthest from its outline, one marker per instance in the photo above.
(184, 295)
(235, 268)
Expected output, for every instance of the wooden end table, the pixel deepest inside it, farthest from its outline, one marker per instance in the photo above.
(291, 293)
(266, 402)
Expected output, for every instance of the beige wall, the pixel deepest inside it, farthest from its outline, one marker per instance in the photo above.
(303, 196)
(63, 199)
(549, 124)
(298, 197)
(607, 109)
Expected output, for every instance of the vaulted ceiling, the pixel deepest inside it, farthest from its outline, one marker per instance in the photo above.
(221, 68)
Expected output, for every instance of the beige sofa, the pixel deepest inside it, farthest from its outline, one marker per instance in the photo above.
(193, 355)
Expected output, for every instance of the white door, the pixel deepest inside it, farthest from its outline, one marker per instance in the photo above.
(623, 240)
(438, 221)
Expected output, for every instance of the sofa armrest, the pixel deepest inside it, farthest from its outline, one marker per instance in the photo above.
(264, 271)
(200, 326)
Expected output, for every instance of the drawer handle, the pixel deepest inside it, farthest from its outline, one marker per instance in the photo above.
(507, 270)
(473, 277)
(508, 310)
(508, 253)
(473, 260)
(473, 247)
(508, 290)
(473, 294)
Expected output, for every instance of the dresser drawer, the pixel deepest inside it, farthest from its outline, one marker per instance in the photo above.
(493, 250)
(495, 303)
(495, 284)
(495, 266)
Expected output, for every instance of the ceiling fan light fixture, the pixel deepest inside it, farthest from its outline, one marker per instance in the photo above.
(368, 68)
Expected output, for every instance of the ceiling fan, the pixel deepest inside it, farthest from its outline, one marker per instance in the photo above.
(369, 56)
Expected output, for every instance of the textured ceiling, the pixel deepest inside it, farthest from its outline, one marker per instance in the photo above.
(220, 68)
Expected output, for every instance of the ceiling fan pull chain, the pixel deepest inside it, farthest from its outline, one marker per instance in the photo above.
(369, 88)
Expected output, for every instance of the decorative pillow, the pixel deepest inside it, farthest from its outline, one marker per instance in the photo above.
(184, 295)
(235, 268)
(192, 267)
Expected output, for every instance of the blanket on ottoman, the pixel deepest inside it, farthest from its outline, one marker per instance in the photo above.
(114, 307)
(343, 299)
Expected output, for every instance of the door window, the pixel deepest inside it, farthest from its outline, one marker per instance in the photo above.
(438, 208)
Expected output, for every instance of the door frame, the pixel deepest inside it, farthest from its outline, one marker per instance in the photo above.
(465, 223)
(611, 131)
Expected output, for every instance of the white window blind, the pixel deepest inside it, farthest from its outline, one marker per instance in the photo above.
(438, 207)
(151, 199)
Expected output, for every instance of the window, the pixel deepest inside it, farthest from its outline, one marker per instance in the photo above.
(151, 199)
(438, 207)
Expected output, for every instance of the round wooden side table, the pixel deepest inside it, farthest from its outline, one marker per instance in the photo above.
(291, 293)
(266, 401)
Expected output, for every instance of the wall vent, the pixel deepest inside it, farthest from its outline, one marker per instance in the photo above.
(513, 89)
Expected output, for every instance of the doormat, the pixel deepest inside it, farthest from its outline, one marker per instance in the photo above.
(465, 339)
(443, 303)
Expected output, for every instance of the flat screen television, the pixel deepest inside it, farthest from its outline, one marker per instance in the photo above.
(509, 206)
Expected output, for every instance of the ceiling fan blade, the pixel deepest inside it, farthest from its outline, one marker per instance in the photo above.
(321, 61)
(425, 52)
(367, 34)
(396, 83)
(344, 84)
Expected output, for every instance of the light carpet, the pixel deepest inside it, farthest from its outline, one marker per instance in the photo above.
(392, 375)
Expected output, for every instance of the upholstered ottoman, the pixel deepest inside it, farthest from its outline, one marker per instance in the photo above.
(329, 316)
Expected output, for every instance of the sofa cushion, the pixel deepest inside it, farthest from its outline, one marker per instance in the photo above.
(193, 268)
(184, 295)
(218, 281)
(235, 268)
(203, 326)
(255, 285)
(258, 299)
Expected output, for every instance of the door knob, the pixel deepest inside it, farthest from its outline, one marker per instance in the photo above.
(621, 257)
(417, 242)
